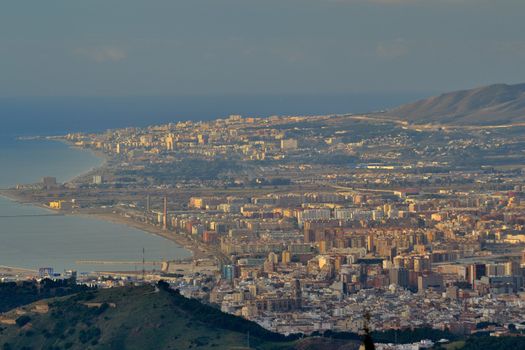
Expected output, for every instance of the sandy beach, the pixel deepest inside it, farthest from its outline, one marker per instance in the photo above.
(181, 240)
(198, 251)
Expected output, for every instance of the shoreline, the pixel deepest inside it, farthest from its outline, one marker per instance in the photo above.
(104, 158)
(172, 236)
(180, 240)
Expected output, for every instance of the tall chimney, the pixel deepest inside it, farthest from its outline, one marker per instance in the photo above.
(165, 216)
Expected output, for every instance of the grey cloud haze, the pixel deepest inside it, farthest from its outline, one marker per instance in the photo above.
(102, 53)
(165, 47)
(393, 49)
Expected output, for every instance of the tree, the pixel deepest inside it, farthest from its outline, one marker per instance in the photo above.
(368, 342)
(23, 320)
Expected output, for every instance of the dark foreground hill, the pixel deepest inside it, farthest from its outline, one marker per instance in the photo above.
(151, 317)
(140, 318)
(489, 105)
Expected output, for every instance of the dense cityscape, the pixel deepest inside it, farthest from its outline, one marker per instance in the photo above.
(306, 224)
(262, 175)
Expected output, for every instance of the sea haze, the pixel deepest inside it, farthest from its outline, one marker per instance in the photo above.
(55, 115)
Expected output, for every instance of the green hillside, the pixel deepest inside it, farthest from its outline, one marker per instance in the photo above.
(150, 317)
(140, 318)
(17, 294)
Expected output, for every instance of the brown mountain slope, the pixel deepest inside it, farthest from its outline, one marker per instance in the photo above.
(489, 105)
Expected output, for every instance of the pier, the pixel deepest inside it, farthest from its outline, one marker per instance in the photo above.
(117, 262)
(28, 215)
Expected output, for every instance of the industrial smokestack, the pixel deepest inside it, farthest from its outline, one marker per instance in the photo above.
(165, 216)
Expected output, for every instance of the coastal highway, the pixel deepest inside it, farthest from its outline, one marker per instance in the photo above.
(357, 190)
(385, 118)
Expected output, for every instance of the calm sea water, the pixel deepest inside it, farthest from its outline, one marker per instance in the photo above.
(59, 241)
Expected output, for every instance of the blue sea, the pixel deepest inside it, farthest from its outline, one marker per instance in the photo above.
(59, 241)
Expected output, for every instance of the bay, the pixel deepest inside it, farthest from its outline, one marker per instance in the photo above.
(60, 241)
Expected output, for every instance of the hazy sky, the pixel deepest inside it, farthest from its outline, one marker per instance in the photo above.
(175, 47)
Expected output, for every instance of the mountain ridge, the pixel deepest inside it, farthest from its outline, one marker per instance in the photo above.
(495, 104)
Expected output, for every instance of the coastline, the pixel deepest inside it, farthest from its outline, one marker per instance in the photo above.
(7, 194)
(10, 271)
(104, 158)
(180, 240)
(183, 242)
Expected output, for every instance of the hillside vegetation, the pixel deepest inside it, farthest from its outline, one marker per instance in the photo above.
(141, 318)
(156, 317)
(17, 294)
